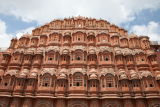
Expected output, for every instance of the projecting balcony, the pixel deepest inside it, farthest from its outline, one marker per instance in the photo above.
(78, 62)
(15, 62)
(105, 63)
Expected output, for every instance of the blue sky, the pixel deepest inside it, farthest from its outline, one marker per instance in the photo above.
(18, 17)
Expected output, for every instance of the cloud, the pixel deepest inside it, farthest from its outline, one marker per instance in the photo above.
(42, 11)
(151, 30)
(24, 31)
(5, 38)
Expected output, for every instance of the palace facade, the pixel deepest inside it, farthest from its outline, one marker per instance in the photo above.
(79, 62)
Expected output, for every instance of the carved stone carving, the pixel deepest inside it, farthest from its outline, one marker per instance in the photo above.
(53, 48)
(20, 50)
(105, 48)
(12, 72)
(93, 76)
(127, 51)
(118, 51)
(51, 71)
(133, 74)
(23, 73)
(40, 50)
(81, 70)
(33, 73)
(150, 52)
(138, 51)
(145, 73)
(122, 74)
(80, 47)
(65, 50)
(30, 51)
(92, 50)
(105, 71)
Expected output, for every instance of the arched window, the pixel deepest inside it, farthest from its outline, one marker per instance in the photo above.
(46, 79)
(110, 81)
(78, 56)
(77, 79)
(8, 81)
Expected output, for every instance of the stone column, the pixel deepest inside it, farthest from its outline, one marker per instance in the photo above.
(94, 103)
(141, 103)
(16, 102)
(128, 103)
(27, 103)
(60, 103)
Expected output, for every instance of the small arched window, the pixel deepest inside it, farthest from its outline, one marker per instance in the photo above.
(46, 80)
(110, 81)
(77, 79)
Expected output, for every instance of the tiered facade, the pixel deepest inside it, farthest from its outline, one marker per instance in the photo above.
(79, 62)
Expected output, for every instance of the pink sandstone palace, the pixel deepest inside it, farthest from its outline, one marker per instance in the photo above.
(79, 62)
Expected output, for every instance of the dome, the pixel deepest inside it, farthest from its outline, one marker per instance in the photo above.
(93, 76)
(62, 76)
(33, 75)
(123, 76)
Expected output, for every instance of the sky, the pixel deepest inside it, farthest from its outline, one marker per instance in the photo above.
(141, 17)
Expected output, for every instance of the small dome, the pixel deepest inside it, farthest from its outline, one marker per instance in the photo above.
(158, 77)
(123, 76)
(33, 75)
(93, 76)
(22, 75)
(25, 71)
(62, 76)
